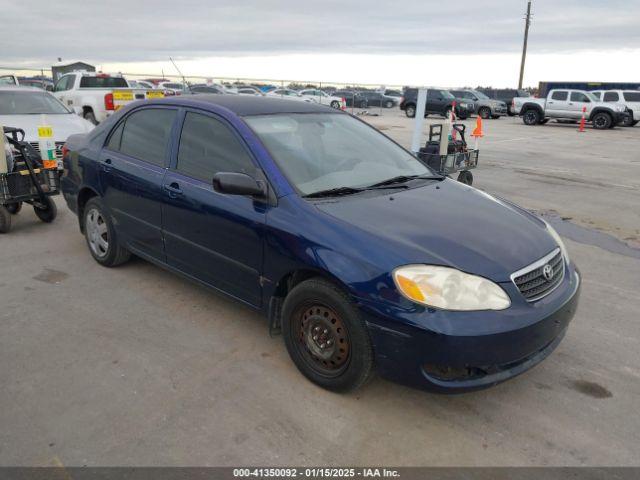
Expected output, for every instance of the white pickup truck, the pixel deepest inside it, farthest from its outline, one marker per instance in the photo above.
(629, 98)
(95, 96)
(567, 104)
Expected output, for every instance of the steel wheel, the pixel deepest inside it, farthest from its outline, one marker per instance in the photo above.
(410, 111)
(323, 339)
(97, 233)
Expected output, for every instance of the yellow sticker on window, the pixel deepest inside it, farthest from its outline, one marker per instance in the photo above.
(122, 95)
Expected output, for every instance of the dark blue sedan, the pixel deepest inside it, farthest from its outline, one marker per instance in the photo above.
(363, 257)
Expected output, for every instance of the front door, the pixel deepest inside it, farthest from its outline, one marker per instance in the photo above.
(214, 237)
(578, 101)
(132, 168)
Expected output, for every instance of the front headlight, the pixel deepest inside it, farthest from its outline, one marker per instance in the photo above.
(449, 289)
(556, 237)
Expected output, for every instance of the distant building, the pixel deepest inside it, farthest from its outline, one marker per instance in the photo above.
(61, 68)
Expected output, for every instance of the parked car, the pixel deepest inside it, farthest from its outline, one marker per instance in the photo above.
(505, 95)
(288, 94)
(568, 105)
(9, 80)
(439, 102)
(23, 107)
(41, 83)
(322, 98)
(377, 99)
(250, 91)
(628, 98)
(352, 98)
(141, 84)
(482, 105)
(175, 87)
(322, 223)
(203, 88)
(95, 96)
(393, 93)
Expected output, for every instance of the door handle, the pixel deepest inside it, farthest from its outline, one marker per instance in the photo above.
(174, 189)
(106, 165)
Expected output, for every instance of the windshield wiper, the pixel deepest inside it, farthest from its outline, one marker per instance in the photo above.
(334, 192)
(403, 179)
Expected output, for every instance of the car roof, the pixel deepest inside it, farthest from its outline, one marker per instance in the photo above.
(20, 88)
(249, 105)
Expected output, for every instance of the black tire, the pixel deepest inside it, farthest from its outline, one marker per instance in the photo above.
(13, 208)
(326, 337)
(531, 117)
(97, 225)
(410, 111)
(388, 104)
(465, 177)
(510, 111)
(5, 220)
(484, 113)
(90, 116)
(602, 121)
(46, 211)
(335, 104)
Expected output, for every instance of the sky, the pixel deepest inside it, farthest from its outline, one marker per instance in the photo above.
(405, 42)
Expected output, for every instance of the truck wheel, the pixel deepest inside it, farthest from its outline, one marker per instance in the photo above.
(410, 111)
(602, 121)
(101, 235)
(46, 211)
(326, 337)
(484, 112)
(531, 117)
(89, 116)
(13, 208)
(335, 104)
(388, 104)
(465, 177)
(5, 220)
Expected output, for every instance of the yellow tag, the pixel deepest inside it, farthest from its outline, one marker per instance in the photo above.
(151, 94)
(125, 95)
(45, 131)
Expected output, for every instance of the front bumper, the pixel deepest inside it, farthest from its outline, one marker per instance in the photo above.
(455, 352)
(621, 117)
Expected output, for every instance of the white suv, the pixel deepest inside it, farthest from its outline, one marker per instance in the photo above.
(629, 98)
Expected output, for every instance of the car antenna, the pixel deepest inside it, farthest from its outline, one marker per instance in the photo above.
(184, 80)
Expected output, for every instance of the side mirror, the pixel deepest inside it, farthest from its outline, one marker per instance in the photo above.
(238, 184)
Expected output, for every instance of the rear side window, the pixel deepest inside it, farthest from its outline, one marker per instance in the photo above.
(579, 97)
(558, 95)
(146, 134)
(208, 146)
(632, 96)
(115, 138)
(611, 97)
(103, 82)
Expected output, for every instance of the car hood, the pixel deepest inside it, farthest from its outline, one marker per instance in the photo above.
(63, 125)
(447, 223)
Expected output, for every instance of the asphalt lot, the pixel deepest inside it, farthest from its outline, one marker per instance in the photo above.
(135, 366)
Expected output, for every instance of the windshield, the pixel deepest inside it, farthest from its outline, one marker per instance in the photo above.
(28, 103)
(481, 95)
(448, 94)
(323, 151)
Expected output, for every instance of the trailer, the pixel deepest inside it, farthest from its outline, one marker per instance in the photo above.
(545, 87)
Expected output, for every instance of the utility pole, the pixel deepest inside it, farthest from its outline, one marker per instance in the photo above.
(526, 39)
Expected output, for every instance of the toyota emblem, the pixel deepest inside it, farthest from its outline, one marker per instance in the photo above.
(547, 272)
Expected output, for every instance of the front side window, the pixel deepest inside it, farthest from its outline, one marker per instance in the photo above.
(611, 97)
(146, 134)
(208, 146)
(322, 151)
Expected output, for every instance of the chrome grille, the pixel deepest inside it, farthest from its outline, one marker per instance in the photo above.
(59, 145)
(531, 280)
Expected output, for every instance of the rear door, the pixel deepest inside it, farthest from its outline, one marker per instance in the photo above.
(132, 168)
(214, 237)
(558, 103)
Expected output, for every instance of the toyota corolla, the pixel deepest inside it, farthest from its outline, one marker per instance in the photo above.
(360, 255)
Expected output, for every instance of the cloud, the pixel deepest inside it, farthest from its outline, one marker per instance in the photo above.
(142, 30)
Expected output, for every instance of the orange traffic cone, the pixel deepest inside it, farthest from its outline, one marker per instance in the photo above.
(477, 132)
(583, 119)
